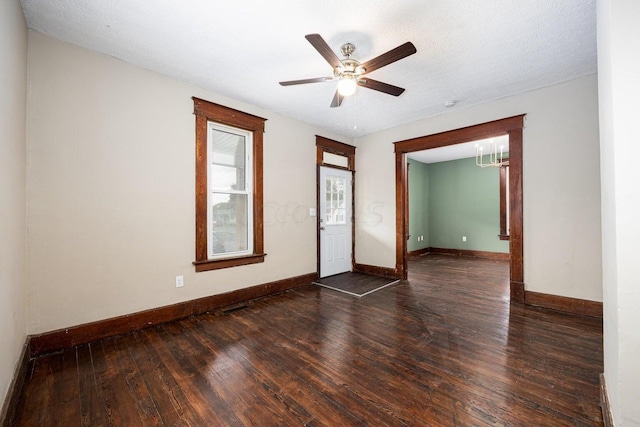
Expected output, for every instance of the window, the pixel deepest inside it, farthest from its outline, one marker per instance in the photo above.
(229, 220)
(334, 153)
(336, 209)
(229, 203)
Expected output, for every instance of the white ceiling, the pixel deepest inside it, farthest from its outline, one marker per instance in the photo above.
(469, 51)
(459, 151)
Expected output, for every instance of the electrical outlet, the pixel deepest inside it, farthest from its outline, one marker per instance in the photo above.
(179, 281)
(464, 238)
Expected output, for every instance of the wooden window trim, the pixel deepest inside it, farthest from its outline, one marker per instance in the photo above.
(206, 111)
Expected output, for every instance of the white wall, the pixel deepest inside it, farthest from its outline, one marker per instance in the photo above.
(111, 151)
(562, 243)
(619, 88)
(13, 91)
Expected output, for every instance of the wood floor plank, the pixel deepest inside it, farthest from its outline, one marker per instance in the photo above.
(155, 367)
(197, 399)
(35, 407)
(322, 407)
(118, 406)
(444, 348)
(136, 389)
(91, 408)
(65, 385)
(239, 376)
(250, 401)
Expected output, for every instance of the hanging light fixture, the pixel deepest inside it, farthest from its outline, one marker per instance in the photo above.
(350, 71)
(495, 156)
(347, 85)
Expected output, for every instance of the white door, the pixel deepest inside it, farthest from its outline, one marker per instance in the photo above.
(335, 221)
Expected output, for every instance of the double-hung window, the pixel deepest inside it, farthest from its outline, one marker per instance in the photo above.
(229, 223)
(229, 200)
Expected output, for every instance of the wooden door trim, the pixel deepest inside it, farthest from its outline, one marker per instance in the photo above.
(511, 126)
(326, 145)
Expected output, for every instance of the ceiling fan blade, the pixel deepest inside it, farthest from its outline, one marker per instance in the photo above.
(303, 81)
(337, 100)
(323, 48)
(393, 55)
(380, 86)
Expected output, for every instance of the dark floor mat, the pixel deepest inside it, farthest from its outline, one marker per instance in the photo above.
(356, 284)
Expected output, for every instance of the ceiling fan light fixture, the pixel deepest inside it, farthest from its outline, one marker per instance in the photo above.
(349, 72)
(347, 85)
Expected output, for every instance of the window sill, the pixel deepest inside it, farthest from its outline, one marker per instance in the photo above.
(216, 264)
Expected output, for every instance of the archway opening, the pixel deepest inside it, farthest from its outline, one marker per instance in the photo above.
(512, 127)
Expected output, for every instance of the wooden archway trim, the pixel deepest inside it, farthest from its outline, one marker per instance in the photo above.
(511, 126)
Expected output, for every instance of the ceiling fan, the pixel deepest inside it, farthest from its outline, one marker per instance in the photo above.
(350, 73)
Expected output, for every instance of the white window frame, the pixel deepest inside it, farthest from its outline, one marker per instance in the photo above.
(248, 192)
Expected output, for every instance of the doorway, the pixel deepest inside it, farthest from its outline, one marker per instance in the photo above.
(512, 127)
(456, 202)
(336, 227)
(335, 201)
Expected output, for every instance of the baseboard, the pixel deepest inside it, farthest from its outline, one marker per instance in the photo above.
(418, 252)
(607, 416)
(564, 304)
(475, 254)
(15, 387)
(376, 271)
(86, 333)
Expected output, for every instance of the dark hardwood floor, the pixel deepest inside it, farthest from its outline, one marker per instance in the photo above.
(444, 348)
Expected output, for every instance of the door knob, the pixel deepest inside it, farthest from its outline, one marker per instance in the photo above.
(321, 228)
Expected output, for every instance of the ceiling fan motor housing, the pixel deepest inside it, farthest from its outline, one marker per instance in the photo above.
(350, 67)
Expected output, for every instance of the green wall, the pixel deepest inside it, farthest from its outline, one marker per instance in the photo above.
(462, 199)
(418, 205)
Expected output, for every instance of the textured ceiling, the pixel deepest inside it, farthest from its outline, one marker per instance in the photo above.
(468, 51)
(459, 151)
